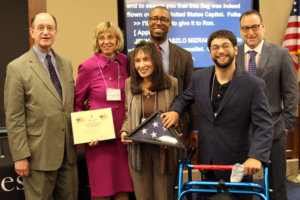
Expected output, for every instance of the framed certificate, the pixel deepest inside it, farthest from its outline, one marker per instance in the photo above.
(92, 125)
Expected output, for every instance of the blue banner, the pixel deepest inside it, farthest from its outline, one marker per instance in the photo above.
(192, 22)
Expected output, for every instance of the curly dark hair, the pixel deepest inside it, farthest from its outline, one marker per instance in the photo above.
(222, 34)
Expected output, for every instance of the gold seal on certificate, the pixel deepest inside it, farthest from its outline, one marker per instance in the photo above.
(92, 125)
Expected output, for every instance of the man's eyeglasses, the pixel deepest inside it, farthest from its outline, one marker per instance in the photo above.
(224, 46)
(254, 28)
(48, 28)
(108, 38)
(162, 20)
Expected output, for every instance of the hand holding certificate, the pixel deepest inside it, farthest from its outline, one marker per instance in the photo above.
(92, 125)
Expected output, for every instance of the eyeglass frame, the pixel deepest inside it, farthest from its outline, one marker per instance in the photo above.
(108, 38)
(254, 28)
(225, 46)
(162, 20)
(48, 28)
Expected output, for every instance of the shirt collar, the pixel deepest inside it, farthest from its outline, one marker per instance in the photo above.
(42, 55)
(258, 48)
(165, 46)
(103, 61)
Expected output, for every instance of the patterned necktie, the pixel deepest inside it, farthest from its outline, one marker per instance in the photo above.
(53, 76)
(252, 63)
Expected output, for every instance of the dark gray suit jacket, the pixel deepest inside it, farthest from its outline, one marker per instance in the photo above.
(277, 70)
(226, 139)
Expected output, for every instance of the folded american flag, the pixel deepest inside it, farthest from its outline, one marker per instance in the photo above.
(153, 131)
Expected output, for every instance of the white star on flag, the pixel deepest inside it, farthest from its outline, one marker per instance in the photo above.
(153, 131)
(144, 131)
(153, 134)
(155, 124)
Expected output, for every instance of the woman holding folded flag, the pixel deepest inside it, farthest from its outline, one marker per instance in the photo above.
(152, 167)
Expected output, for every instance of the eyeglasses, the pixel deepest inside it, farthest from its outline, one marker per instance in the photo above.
(48, 28)
(108, 38)
(224, 46)
(246, 29)
(162, 20)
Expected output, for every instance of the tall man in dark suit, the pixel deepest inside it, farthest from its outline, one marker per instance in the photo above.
(177, 61)
(38, 100)
(229, 102)
(274, 65)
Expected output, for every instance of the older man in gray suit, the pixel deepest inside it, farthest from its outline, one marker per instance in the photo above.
(38, 100)
(274, 65)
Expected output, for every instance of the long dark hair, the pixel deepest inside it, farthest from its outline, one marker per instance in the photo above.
(159, 80)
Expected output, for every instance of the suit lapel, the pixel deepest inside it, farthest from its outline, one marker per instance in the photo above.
(233, 86)
(63, 77)
(172, 59)
(37, 67)
(208, 110)
(240, 58)
(265, 54)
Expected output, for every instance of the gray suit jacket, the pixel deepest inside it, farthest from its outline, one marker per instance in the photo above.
(277, 70)
(37, 120)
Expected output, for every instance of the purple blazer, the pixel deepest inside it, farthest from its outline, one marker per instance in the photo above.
(91, 85)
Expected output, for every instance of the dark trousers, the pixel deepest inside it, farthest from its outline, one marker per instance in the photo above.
(210, 176)
(277, 169)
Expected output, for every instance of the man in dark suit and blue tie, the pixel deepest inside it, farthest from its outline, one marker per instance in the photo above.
(229, 102)
(274, 65)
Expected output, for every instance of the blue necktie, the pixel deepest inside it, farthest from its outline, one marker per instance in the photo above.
(252, 64)
(53, 76)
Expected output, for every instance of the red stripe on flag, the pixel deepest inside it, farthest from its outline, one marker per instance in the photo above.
(292, 36)
(293, 24)
(293, 47)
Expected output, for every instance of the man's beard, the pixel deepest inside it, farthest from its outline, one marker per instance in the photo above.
(159, 37)
(224, 65)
